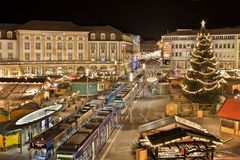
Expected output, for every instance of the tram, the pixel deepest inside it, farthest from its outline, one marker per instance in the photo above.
(90, 139)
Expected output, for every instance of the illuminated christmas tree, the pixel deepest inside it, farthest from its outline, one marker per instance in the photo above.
(202, 82)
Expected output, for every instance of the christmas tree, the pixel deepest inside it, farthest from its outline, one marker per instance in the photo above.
(202, 82)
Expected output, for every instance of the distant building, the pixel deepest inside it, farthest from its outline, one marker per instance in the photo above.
(148, 46)
(62, 47)
(178, 44)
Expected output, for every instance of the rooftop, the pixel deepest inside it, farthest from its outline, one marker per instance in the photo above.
(218, 31)
(230, 109)
(51, 25)
(177, 134)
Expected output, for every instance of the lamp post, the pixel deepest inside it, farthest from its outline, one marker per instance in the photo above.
(143, 67)
(131, 96)
(115, 64)
(87, 73)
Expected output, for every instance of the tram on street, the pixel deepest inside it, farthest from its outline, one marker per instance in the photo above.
(90, 139)
(44, 146)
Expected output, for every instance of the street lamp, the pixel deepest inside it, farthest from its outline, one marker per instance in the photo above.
(115, 63)
(87, 74)
(143, 67)
(131, 95)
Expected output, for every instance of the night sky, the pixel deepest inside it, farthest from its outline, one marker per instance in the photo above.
(148, 18)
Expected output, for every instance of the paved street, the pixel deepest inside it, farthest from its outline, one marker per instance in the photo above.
(119, 146)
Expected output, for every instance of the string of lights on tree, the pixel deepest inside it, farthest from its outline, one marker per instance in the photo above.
(203, 81)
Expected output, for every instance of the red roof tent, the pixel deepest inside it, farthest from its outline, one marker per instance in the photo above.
(230, 109)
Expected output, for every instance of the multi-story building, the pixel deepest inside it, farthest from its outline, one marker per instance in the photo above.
(177, 47)
(57, 47)
(8, 47)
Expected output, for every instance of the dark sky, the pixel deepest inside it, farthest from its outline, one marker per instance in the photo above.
(148, 18)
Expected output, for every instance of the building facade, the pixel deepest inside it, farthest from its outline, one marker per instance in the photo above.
(56, 48)
(226, 44)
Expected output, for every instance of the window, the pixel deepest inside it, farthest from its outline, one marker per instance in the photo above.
(112, 36)
(102, 36)
(232, 45)
(180, 54)
(38, 45)
(70, 57)
(59, 56)
(59, 46)
(176, 46)
(176, 54)
(10, 56)
(220, 45)
(227, 123)
(0, 56)
(26, 45)
(10, 45)
(0, 45)
(80, 56)
(184, 46)
(192, 45)
(224, 45)
(27, 56)
(216, 45)
(38, 56)
(93, 36)
(70, 46)
(9, 34)
(80, 46)
(49, 46)
(173, 54)
(180, 45)
(228, 45)
(49, 56)
(93, 46)
(172, 46)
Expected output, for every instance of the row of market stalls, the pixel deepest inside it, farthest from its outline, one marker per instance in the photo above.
(177, 138)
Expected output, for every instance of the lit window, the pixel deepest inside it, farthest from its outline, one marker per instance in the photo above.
(10, 45)
(10, 56)
(26, 45)
(27, 56)
(102, 36)
(80, 46)
(59, 46)
(93, 36)
(112, 36)
(80, 56)
(9, 34)
(49, 56)
(49, 46)
(59, 56)
(38, 45)
(70, 57)
(70, 46)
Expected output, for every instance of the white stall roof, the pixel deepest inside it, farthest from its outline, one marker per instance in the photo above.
(39, 114)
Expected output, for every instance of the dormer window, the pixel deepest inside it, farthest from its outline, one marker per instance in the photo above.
(9, 34)
(93, 36)
(102, 36)
(112, 36)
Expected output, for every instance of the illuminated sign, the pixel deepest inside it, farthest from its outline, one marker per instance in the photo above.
(167, 49)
